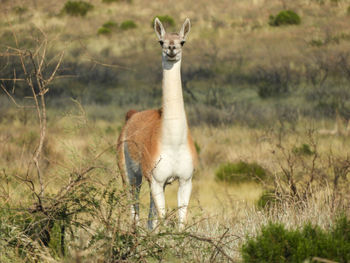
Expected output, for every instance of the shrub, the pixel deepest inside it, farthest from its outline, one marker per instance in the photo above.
(33, 225)
(127, 24)
(285, 17)
(304, 149)
(277, 244)
(120, 244)
(267, 199)
(104, 31)
(268, 90)
(166, 20)
(240, 172)
(77, 8)
(107, 28)
(110, 24)
(316, 43)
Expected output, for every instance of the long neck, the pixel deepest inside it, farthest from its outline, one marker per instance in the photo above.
(173, 118)
(173, 104)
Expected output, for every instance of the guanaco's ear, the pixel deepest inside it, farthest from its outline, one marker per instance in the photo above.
(158, 27)
(185, 29)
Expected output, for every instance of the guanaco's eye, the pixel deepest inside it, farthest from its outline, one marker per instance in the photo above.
(182, 43)
(161, 42)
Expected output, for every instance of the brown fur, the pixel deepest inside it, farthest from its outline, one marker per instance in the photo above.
(142, 132)
(171, 37)
(120, 155)
(129, 114)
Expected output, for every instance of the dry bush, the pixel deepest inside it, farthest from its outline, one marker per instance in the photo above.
(305, 170)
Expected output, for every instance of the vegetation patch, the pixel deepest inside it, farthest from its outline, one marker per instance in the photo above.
(267, 199)
(266, 89)
(166, 20)
(77, 8)
(104, 31)
(107, 28)
(128, 24)
(275, 243)
(240, 172)
(303, 149)
(24, 231)
(316, 43)
(285, 17)
(110, 24)
(198, 148)
(19, 10)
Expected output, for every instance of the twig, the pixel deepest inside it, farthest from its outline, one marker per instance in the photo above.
(216, 252)
(11, 97)
(210, 241)
(323, 260)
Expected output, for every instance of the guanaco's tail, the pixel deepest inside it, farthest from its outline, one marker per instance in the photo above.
(129, 114)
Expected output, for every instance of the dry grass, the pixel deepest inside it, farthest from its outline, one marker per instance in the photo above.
(73, 138)
(234, 26)
(221, 29)
(215, 207)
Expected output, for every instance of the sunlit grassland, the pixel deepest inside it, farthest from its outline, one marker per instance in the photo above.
(241, 27)
(232, 53)
(74, 139)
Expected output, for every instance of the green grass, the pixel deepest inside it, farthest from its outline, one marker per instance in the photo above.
(267, 199)
(77, 8)
(304, 149)
(110, 24)
(166, 20)
(275, 243)
(128, 24)
(104, 31)
(240, 172)
(285, 17)
(107, 28)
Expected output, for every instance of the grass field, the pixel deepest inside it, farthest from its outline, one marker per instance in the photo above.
(74, 140)
(276, 96)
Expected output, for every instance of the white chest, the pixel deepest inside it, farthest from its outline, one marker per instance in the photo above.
(173, 162)
(175, 158)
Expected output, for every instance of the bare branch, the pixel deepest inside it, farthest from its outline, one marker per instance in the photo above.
(11, 97)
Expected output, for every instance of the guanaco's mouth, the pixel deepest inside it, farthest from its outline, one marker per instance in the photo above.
(171, 55)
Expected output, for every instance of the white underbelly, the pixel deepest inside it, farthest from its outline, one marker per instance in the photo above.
(173, 161)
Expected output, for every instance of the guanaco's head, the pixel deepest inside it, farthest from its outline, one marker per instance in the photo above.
(172, 43)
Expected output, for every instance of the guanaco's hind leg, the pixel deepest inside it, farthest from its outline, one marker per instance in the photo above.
(134, 176)
(152, 216)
